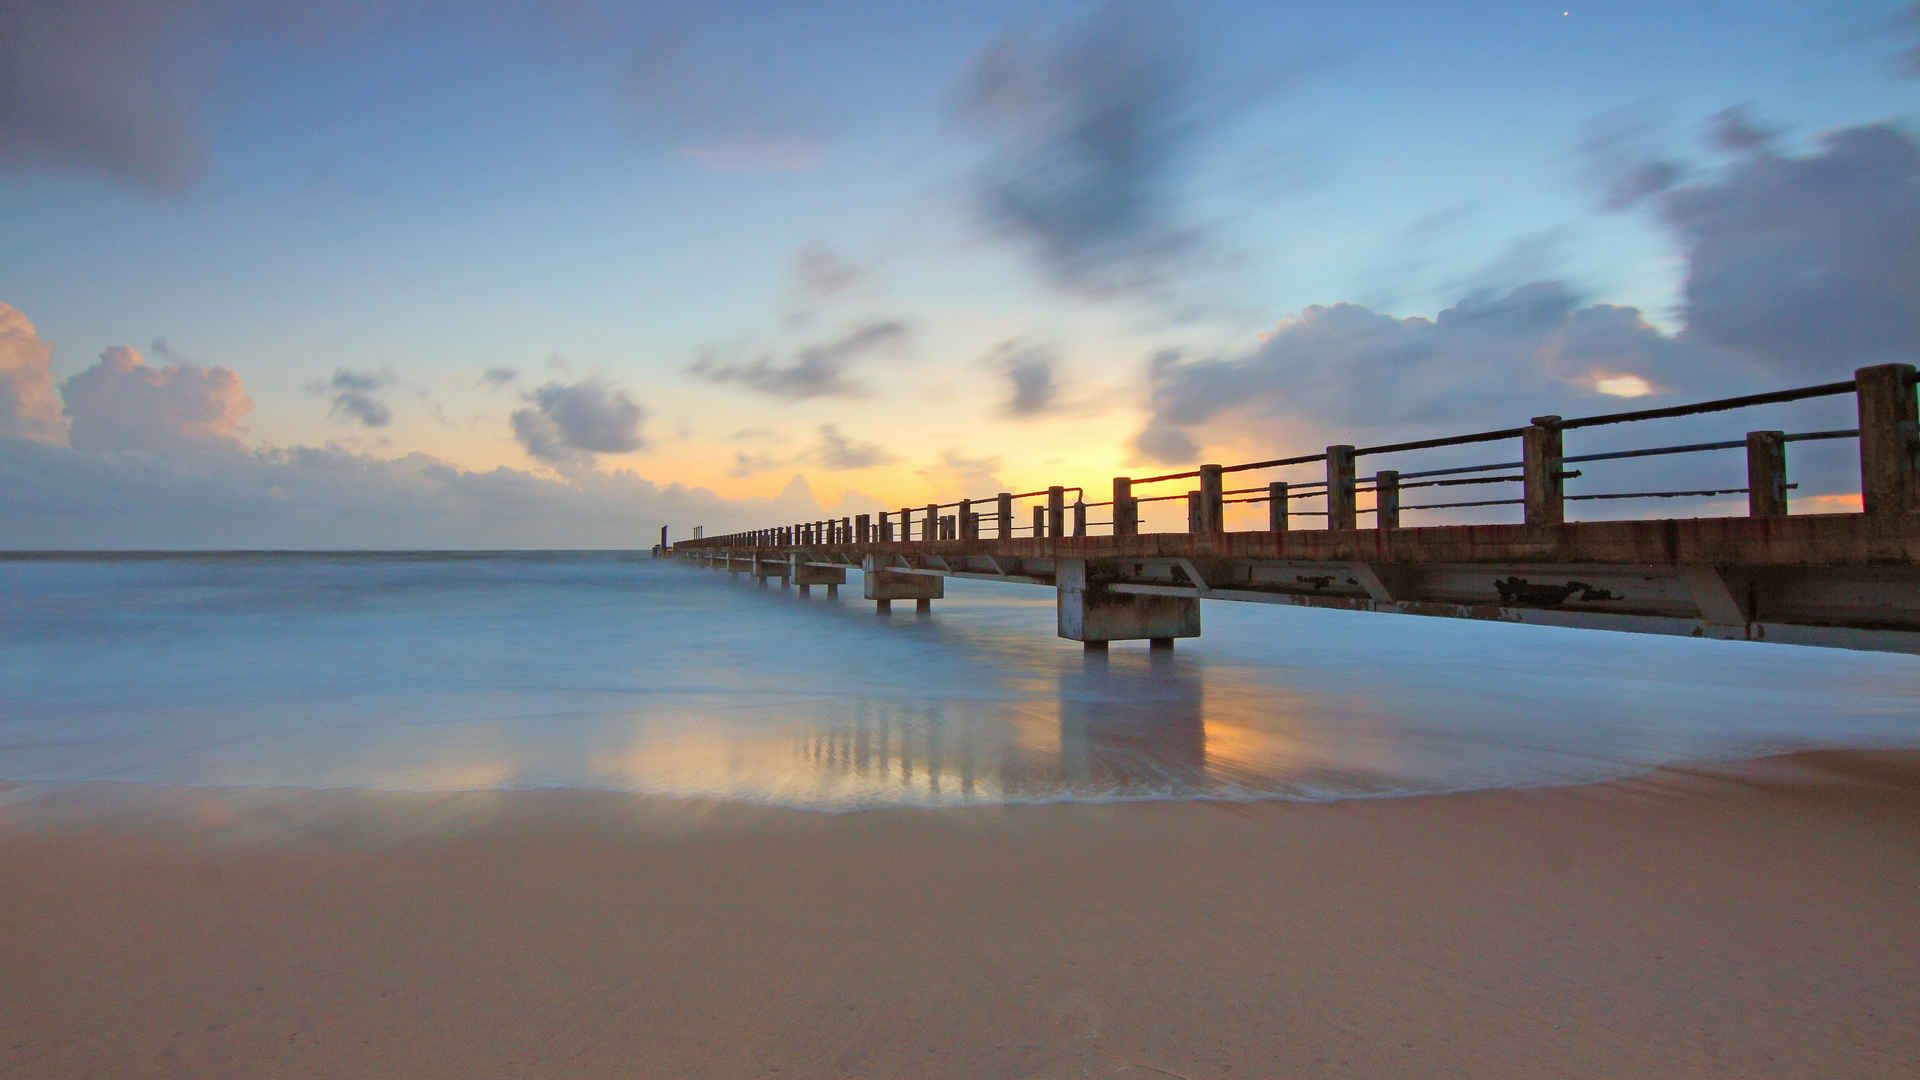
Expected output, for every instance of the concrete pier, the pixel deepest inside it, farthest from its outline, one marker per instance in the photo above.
(1091, 613)
(1846, 580)
(883, 586)
(805, 574)
(765, 567)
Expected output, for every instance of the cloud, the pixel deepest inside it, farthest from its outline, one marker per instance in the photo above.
(309, 497)
(121, 404)
(29, 407)
(1731, 130)
(104, 87)
(1620, 161)
(569, 423)
(745, 464)
(1907, 24)
(1092, 134)
(975, 476)
(757, 434)
(1807, 263)
(816, 371)
(354, 397)
(497, 378)
(1030, 374)
(819, 274)
(716, 104)
(365, 408)
(836, 451)
(832, 450)
(1490, 360)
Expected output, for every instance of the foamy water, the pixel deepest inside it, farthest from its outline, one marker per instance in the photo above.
(434, 672)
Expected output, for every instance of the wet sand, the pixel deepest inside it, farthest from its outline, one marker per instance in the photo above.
(1759, 920)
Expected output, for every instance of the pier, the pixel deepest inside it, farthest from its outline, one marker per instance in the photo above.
(1848, 580)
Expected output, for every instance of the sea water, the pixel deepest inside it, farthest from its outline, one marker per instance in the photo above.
(445, 671)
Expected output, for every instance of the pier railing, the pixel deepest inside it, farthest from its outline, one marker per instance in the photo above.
(1537, 469)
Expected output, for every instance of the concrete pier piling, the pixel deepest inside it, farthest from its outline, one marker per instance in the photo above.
(1090, 611)
(884, 586)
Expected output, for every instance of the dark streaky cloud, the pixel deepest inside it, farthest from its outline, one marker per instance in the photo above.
(1091, 135)
(816, 371)
(568, 423)
(1029, 371)
(1810, 264)
(836, 451)
(103, 86)
(833, 450)
(354, 396)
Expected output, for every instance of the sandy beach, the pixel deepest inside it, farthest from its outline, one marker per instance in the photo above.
(1753, 920)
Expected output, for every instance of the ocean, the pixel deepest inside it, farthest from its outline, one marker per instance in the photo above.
(459, 671)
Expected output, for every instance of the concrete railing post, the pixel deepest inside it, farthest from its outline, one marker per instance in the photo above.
(906, 525)
(1766, 473)
(969, 530)
(1889, 439)
(862, 529)
(1277, 506)
(1126, 512)
(886, 528)
(1005, 513)
(846, 530)
(1386, 499)
(1213, 507)
(1340, 487)
(930, 529)
(1039, 522)
(1195, 515)
(1056, 511)
(1540, 459)
(1080, 517)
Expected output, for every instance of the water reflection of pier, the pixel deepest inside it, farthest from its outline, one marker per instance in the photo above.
(1109, 729)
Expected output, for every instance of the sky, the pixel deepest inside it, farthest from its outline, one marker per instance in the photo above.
(423, 274)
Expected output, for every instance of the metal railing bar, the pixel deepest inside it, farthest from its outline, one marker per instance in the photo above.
(1170, 476)
(1849, 433)
(1718, 405)
(1451, 505)
(1448, 440)
(1663, 494)
(1462, 469)
(1655, 451)
(1276, 463)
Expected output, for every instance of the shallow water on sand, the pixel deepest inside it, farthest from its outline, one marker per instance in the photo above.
(437, 672)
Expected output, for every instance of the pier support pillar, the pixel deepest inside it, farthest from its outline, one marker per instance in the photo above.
(1090, 612)
(804, 575)
(883, 586)
(764, 568)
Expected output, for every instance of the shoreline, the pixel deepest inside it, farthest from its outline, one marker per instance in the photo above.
(1760, 918)
(94, 796)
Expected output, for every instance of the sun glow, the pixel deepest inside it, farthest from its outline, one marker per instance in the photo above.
(1627, 386)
